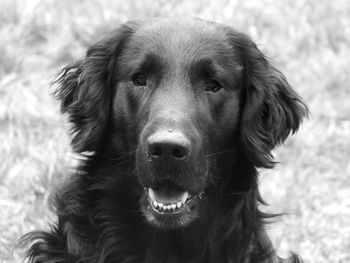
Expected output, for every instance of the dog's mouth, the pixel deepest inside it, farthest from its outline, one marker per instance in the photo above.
(168, 205)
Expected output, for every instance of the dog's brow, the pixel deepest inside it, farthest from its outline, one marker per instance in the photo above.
(148, 63)
(206, 64)
(214, 68)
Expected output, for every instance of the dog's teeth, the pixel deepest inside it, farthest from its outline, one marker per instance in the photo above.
(185, 196)
(151, 194)
(167, 207)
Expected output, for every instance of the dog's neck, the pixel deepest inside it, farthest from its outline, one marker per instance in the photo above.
(175, 245)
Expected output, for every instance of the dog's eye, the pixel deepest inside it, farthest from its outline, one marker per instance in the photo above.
(212, 85)
(139, 79)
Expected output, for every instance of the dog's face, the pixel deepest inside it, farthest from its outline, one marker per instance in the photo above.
(188, 97)
(179, 83)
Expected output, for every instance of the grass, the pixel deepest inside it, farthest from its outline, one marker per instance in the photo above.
(308, 40)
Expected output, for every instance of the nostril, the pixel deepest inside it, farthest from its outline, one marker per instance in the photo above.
(179, 152)
(163, 145)
(155, 151)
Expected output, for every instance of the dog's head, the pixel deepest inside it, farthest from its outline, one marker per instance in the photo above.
(187, 99)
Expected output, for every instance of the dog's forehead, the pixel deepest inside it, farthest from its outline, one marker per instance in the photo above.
(178, 37)
(180, 28)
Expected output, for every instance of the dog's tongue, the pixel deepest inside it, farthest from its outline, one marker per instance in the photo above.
(166, 195)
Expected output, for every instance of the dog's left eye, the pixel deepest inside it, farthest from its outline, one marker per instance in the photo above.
(212, 85)
(139, 79)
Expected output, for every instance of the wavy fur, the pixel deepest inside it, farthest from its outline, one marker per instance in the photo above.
(98, 209)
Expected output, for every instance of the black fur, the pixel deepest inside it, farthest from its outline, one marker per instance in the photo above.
(99, 215)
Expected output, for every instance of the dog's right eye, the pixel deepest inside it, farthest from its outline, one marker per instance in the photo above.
(139, 79)
(212, 86)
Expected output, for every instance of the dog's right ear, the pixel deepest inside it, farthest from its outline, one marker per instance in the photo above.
(272, 109)
(86, 89)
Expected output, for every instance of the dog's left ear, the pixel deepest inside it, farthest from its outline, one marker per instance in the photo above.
(272, 109)
(85, 89)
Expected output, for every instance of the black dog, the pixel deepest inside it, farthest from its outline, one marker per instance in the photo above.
(173, 117)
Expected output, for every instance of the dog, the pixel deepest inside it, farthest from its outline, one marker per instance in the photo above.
(172, 118)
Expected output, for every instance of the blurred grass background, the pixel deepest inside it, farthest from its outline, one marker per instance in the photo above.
(308, 40)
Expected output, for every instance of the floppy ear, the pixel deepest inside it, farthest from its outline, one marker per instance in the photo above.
(272, 109)
(86, 90)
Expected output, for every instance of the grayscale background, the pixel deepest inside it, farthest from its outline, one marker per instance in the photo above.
(308, 40)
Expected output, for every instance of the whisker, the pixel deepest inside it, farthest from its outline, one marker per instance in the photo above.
(221, 152)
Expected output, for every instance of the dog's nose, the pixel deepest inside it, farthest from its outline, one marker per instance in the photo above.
(168, 145)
